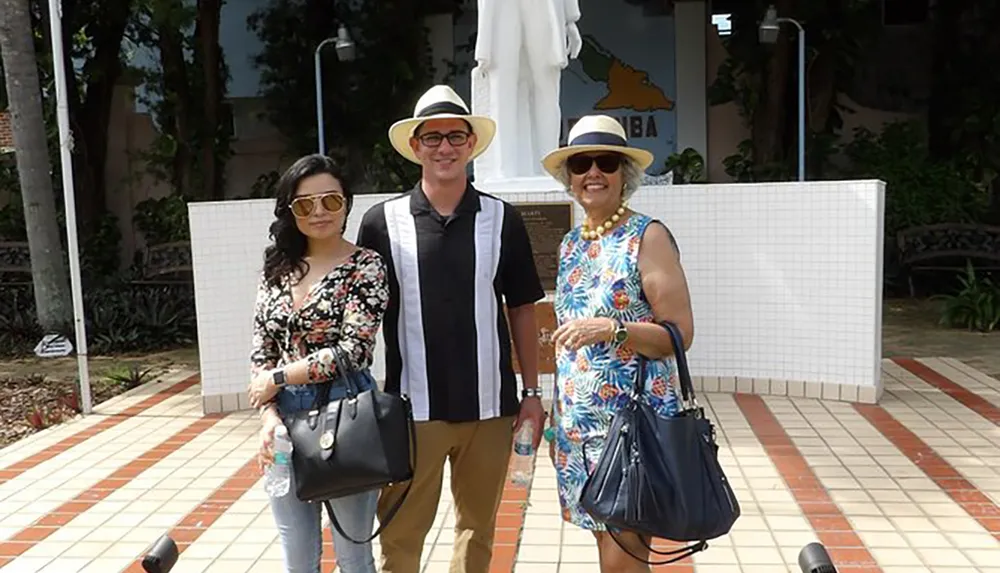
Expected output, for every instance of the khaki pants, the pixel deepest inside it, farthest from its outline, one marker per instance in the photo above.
(479, 453)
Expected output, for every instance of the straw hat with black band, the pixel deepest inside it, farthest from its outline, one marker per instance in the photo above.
(440, 102)
(595, 133)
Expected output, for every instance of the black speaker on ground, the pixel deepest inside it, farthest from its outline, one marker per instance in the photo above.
(814, 559)
(162, 557)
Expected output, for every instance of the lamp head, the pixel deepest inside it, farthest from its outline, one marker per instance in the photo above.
(344, 45)
(769, 27)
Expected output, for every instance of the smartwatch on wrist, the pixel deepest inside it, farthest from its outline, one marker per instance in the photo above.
(279, 378)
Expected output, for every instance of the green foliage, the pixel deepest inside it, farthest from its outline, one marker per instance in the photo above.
(129, 375)
(100, 252)
(742, 167)
(361, 98)
(175, 97)
(163, 220)
(120, 318)
(919, 189)
(134, 318)
(838, 34)
(976, 306)
(19, 330)
(688, 166)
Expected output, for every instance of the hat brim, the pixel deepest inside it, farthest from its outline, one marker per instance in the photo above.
(401, 132)
(554, 160)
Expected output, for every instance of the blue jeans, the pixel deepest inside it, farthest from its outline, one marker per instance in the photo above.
(298, 522)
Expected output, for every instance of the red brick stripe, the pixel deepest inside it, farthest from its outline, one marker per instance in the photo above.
(835, 532)
(509, 526)
(16, 469)
(979, 506)
(198, 520)
(52, 521)
(959, 393)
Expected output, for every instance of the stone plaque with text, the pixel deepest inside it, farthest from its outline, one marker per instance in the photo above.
(547, 224)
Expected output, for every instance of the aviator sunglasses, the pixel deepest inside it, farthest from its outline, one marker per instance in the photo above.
(607, 162)
(304, 206)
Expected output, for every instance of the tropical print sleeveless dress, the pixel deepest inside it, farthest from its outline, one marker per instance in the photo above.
(600, 278)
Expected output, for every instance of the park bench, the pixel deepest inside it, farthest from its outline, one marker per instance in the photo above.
(167, 263)
(948, 247)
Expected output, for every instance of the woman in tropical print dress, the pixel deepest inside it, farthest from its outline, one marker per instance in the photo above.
(619, 275)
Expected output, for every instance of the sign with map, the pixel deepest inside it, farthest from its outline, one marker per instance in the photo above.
(625, 70)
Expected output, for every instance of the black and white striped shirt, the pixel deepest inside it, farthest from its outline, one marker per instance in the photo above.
(448, 346)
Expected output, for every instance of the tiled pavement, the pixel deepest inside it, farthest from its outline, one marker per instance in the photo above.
(911, 485)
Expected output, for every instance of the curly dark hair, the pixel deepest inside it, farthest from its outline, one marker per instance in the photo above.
(286, 254)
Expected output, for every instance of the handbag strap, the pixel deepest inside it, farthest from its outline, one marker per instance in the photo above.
(680, 358)
(347, 373)
(395, 506)
(680, 553)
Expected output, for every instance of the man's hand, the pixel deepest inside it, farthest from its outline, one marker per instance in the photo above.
(531, 409)
(261, 390)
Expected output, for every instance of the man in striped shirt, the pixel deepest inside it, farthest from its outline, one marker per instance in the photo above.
(455, 257)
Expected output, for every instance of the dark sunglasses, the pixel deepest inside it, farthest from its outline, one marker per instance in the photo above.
(607, 162)
(304, 206)
(435, 138)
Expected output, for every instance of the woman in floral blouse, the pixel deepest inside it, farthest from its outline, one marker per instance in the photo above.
(318, 292)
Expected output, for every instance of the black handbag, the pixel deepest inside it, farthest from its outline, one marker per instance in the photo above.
(363, 442)
(660, 477)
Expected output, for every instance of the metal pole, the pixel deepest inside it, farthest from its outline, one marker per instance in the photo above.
(319, 95)
(69, 197)
(802, 103)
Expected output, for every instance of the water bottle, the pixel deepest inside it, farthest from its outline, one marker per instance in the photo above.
(522, 466)
(279, 475)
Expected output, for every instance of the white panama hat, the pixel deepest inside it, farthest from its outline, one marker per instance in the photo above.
(440, 102)
(595, 133)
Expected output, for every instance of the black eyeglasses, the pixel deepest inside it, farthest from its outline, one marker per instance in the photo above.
(607, 162)
(435, 138)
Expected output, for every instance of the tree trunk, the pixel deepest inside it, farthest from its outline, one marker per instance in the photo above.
(104, 69)
(208, 39)
(941, 103)
(770, 116)
(53, 303)
(175, 84)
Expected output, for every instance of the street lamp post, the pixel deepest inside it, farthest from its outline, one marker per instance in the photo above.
(345, 53)
(769, 29)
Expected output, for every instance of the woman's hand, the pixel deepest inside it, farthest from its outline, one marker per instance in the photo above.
(262, 389)
(581, 332)
(269, 420)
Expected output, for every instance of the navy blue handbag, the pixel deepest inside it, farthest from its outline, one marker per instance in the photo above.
(661, 477)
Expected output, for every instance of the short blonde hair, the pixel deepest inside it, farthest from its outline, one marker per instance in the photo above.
(631, 177)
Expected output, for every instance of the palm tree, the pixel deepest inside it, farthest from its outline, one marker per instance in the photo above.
(48, 262)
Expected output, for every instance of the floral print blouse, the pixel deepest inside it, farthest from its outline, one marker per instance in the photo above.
(344, 309)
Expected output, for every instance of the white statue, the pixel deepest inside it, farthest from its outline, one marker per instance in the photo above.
(521, 49)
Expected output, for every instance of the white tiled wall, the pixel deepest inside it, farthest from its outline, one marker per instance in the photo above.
(785, 278)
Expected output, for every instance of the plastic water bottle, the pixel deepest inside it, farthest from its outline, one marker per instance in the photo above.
(279, 475)
(523, 464)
